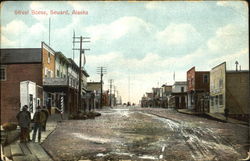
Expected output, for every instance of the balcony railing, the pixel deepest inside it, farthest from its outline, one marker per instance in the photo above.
(55, 81)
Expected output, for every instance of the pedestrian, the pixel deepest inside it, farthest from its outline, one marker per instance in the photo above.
(226, 111)
(39, 118)
(24, 119)
(46, 112)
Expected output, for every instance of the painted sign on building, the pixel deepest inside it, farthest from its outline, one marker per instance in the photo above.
(218, 88)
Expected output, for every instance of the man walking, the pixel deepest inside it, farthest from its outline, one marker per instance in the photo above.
(39, 118)
(46, 112)
(24, 120)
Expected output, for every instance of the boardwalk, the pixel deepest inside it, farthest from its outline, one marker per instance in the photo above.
(32, 151)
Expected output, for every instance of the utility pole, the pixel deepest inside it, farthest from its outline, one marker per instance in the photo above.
(101, 70)
(49, 31)
(114, 96)
(82, 51)
(110, 89)
(129, 88)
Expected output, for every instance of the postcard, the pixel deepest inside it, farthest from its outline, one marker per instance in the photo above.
(125, 80)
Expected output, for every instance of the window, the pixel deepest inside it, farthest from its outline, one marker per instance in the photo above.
(212, 101)
(221, 99)
(205, 78)
(221, 83)
(46, 72)
(57, 73)
(192, 81)
(216, 100)
(48, 57)
(49, 73)
(182, 89)
(2, 73)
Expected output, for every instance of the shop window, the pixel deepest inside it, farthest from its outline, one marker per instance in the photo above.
(221, 99)
(216, 100)
(2, 73)
(212, 101)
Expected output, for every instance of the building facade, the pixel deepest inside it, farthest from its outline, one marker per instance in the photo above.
(218, 89)
(55, 78)
(229, 89)
(198, 90)
(178, 97)
(19, 65)
(166, 91)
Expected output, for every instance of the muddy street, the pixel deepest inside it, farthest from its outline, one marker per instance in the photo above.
(147, 134)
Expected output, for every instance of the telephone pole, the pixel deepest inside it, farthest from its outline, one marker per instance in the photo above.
(110, 89)
(101, 70)
(82, 51)
(114, 95)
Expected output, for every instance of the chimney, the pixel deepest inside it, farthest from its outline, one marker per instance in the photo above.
(236, 63)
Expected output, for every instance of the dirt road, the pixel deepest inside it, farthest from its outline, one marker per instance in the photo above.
(140, 134)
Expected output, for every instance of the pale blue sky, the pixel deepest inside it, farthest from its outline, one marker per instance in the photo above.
(146, 41)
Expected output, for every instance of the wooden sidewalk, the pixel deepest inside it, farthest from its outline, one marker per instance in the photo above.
(31, 151)
(26, 152)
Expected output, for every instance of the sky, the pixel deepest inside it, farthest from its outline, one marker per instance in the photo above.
(142, 44)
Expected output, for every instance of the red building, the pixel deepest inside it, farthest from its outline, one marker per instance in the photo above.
(18, 65)
(198, 90)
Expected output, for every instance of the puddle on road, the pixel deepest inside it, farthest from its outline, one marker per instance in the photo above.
(148, 157)
(170, 124)
(94, 139)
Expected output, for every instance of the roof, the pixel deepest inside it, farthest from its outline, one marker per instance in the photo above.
(239, 71)
(20, 55)
(85, 72)
(60, 55)
(72, 62)
(180, 83)
(224, 63)
(94, 82)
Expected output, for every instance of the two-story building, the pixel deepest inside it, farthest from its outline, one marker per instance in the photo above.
(166, 91)
(156, 97)
(56, 86)
(23, 64)
(229, 89)
(95, 88)
(54, 76)
(178, 97)
(198, 90)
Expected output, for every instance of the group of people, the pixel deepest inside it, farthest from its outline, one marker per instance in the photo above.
(39, 123)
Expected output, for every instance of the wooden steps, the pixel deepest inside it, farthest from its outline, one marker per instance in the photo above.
(26, 152)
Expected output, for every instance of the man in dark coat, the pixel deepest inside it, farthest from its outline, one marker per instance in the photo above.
(38, 119)
(44, 109)
(24, 120)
